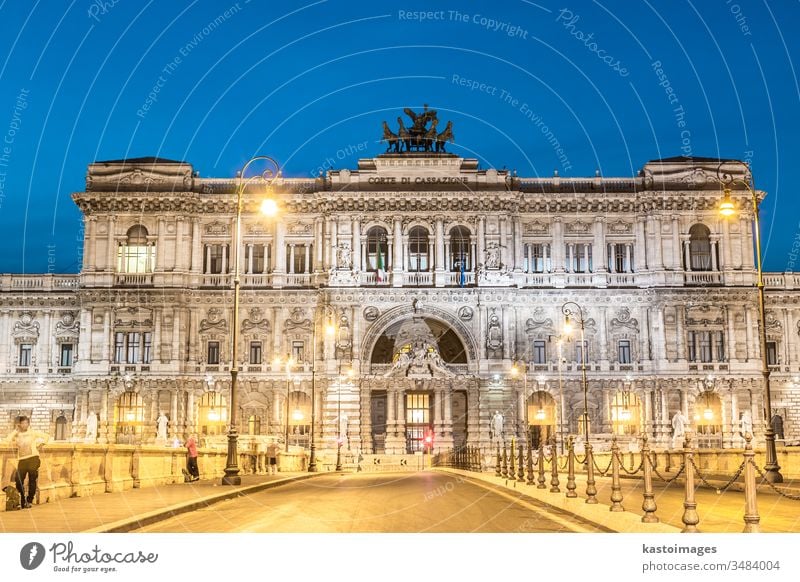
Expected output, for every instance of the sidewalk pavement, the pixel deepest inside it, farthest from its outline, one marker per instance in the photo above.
(723, 512)
(133, 508)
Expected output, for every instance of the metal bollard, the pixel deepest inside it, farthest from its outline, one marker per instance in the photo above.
(751, 517)
(497, 469)
(616, 489)
(571, 467)
(648, 501)
(530, 465)
(554, 469)
(521, 463)
(591, 490)
(505, 462)
(540, 481)
(511, 470)
(690, 518)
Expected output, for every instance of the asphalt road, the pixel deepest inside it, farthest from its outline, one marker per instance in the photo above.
(375, 503)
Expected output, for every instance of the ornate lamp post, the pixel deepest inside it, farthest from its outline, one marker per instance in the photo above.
(268, 208)
(728, 208)
(330, 329)
(571, 310)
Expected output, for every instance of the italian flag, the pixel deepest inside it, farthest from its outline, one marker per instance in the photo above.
(381, 272)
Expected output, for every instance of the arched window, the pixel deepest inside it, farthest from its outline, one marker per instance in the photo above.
(135, 255)
(61, 428)
(460, 259)
(541, 418)
(700, 248)
(418, 246)
(377, 250)
(128, 418)
(626, 413)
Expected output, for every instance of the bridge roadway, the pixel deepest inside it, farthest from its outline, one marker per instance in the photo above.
(378, 502)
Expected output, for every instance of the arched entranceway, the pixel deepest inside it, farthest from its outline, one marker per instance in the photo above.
(415, 363)
(541, 419)
(708, 420)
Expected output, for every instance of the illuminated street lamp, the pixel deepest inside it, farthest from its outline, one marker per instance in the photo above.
(573, 311)
(727, 208)
(269, 208)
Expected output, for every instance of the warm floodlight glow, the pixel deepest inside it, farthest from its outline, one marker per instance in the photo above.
(726, 207)
(269, 207)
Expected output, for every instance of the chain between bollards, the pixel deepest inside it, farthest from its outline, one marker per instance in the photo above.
(649, 500)
(571, 467)
(690, 518)
(554, 469)
(616, 489)
(751, 517)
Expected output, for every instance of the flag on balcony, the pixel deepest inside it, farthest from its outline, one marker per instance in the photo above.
(381, 277)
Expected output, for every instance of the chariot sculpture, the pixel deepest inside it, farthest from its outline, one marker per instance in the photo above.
(422, 136)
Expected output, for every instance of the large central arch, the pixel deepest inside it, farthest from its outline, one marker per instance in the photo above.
(397, 315)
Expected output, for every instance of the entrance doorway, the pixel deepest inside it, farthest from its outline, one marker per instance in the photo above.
(378, 421)
(541, 419)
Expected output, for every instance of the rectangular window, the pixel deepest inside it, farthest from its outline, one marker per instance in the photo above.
(257, 259)
(539, 352)
(255, 353)
(298, 348)
(624, 351)
(25, 351)
(299, 259)
(119, 348)
(581, 257)
(692, 343)
(147, 351)
(133, 348)
(213, 353)
(214, 259)
(772, 353)
(580, 347)
(65, 359)
(537, 258)
(136, 258)
(719, 345)
(704, 345)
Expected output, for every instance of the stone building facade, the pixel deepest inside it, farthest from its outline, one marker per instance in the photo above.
(443, 285)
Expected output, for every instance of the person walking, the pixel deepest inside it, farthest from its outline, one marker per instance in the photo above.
(191, 460)
(272, 458)
(27, 442)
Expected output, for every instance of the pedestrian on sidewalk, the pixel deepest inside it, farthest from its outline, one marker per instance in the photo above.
(27, 442)
(272, 458)
(191, 458)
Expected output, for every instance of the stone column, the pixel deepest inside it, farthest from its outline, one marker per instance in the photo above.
(225, 250)
(558, 245)
(280, 247)
(319, 246)
(291, 258)
(748, 243)
(680, 322)
(439, 243)
(161, 233)
(599, 243)
(518, 258)
(111, 248)
(730, 338)
(641, 246)
(725, 256)
(448, 413)
(687, 255)
(90, 256)
(176, 335)
(103, 432)
(714, 246)
(155, 345)
(658, 255)
(196, 265)
(586, 257)
(356, 244)
(334, 242)
(481, 242)
(85, 338)
(173, 414)
(397, 259)
(676, 243)
(628, 258)
(307, 259)
(571, 258)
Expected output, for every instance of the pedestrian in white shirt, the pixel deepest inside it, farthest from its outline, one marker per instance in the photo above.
(27, 442)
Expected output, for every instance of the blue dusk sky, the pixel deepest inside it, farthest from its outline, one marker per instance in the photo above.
(616, 82)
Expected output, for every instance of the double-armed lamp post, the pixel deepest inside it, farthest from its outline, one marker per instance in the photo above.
(728, 208)
(268, 208)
